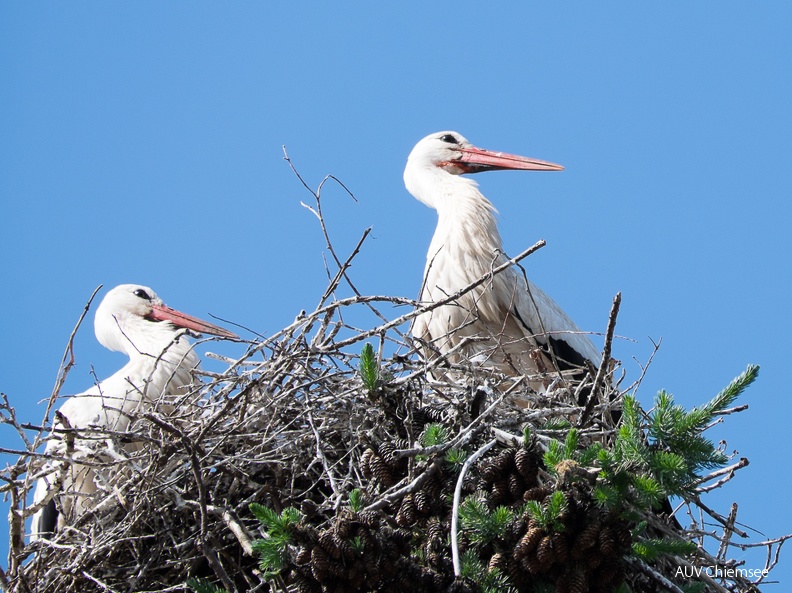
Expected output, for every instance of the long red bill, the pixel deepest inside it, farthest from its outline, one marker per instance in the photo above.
(165, 313)
(475, 160)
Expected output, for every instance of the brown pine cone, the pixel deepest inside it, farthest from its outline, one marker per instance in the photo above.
(329, 545)
(365, 459)
(407, 514)
(525, 464)
(488, 472)
(497, 561)
(504, 461)
(585, 540)
(545, 553)
(320, 564)
(561, 547)
(516, 486)
(423, 504)
(303, 556)
(499, 493)
(381, 471)
(528, 542)
(538, 493)
(607, 541)
(369, 518)
(578, 582)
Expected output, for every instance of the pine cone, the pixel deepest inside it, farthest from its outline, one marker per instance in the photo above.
(538, 493)
(381, 471)
(585, 540)
(516, 486)
(578, 582)
(386, 452)
(306, 585)
(407, 514)
(343, 525)
(594, 558)
(347, 551)
(423, 504)
(401, 538)
(545, 553)
(504, 461)
(320, 564)
(369, 518)
(373, 572)
(329, 545)
(607, 541)
(489, 472)
(497, 561)
(435, 529)
(303, 556)
(609, 575)
(528, 542)
(433, 488)
(562, 584)
(623, 535)
(499, 492)
(365, 460)
(532, 565)
(428, 414)
(525, 464)
(561, 547)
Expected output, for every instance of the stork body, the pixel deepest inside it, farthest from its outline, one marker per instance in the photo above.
(509, 323)
(131, 319)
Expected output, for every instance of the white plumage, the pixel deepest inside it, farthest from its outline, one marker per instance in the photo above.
(131, 319)
(512, 324)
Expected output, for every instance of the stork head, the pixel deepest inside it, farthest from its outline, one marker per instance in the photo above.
(133, 319)
(451, 153)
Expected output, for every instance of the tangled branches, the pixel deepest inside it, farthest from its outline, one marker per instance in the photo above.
(315, 463)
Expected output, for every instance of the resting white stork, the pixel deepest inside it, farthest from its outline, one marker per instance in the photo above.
(131, 319)
(511, 324)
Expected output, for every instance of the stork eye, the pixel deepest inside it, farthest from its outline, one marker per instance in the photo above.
(450, 138)
(142, 294)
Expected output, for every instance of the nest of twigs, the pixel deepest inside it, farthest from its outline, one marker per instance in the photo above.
(294, 423)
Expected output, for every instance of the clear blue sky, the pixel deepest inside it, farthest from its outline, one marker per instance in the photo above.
(141, 142)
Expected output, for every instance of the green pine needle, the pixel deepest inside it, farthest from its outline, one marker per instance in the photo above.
(649, 490)
(553, 456)
(489, 581)
(272, 549)
(369, 369)
(571, 443)
(548, 516)
(650, 549)
(481, 525)
(607, 497)
(434, 434)
(265, 515)
(455, 457)
(472, 566)
(590, 454)
(356, 500)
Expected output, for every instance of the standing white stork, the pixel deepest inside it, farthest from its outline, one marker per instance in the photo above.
(131, 319)
(511, 324)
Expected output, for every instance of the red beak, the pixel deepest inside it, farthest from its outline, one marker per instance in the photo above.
(476, 160)
(179, 319)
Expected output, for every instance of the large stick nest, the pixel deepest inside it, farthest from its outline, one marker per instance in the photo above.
(292, 424)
